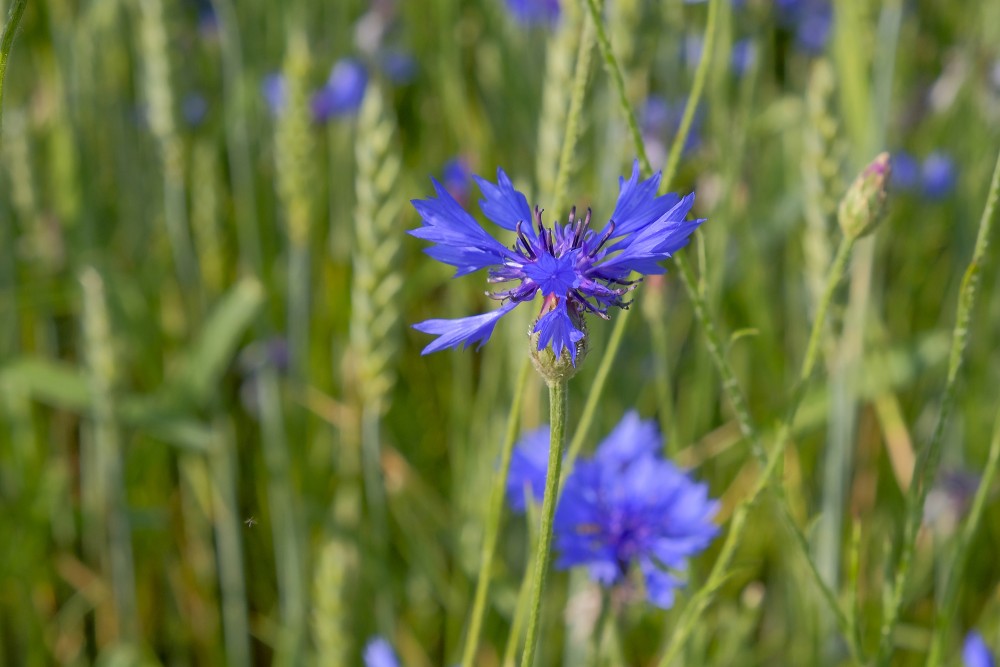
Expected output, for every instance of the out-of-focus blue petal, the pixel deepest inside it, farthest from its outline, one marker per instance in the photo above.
(555, 328)
(660, 584)
(343, 92)
(938, 176)
(464, 331)
(379, 653)
(528, 465)
(975, 653)
(534, 12)
(905, 171)
(275, 93)
(630, 439)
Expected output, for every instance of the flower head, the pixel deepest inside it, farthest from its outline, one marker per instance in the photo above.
(576, 269)
(343, 91)
(534, 12)
(627, 507)
(975, 653)
(379, 653)
(811, 20)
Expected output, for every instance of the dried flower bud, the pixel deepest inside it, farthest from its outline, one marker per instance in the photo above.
(863, 206)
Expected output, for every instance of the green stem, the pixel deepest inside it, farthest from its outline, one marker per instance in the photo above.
(948, 607)
(927, 460)
(720, 570)
(6, 43)
(558, 405)
(495, 513)
(580, 75)
(618, 332)
(730, 384)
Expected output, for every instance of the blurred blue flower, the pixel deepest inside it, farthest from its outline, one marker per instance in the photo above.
(743, 56)
(628, 507)
(379, 653)
(528, 464)
(194, 108)
(343, 91)
(400, 67)
(905, 171)
(457, 178)
(534, 12)
(975, 653)
(576, 269)
(810, 20)
(937, 176)
(275, 92)
(660, 121)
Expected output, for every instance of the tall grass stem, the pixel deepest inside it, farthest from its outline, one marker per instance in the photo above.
(558, 406)
(926, 464)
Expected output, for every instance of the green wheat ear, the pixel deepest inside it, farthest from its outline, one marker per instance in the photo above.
(375, 313)
(822, 157)
(329, 627)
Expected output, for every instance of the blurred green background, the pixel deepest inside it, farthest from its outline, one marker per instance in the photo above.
(219, 442)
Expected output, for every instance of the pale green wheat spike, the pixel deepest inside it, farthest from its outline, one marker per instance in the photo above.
(212, 254)
(294, 143)
(106, 523)
(560, 57)
(330, 634)
(375, 314)
(820, 180)
(160, 100)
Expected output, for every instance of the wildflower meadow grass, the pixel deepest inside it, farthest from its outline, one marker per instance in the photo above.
(407, 333)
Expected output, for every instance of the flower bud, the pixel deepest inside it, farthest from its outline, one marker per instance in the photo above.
(561, 368)
(863, 205)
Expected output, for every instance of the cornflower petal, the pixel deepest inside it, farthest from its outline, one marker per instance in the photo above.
(529, 464)
(630, 439)
(637, 205)
(503, 204)
(463, 331)
(462, 243)
(555, 328)
(379, 653)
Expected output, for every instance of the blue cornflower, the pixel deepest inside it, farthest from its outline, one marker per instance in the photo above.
(576, 269)
(379, 653)
(194, 108)
(937, 176)
(975, 653)
(343, 91)
(629, 507)
(905, 171)
(811, 21)
(528, 463)
(534, 12)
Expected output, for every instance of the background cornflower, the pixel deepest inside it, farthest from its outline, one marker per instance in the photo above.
(378, 653)
(628, 507)
(975, 652)
(576, 269)
(534, 12)
(528, 463)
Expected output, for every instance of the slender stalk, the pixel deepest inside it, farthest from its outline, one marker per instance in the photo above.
(948, 606)
(6, 43)
(573, 125)
(929, 456)
(521, 610)
(558, 405)
(701, 311)
(226, 523)
(495, 513)
(730, 384)
(720, 570)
